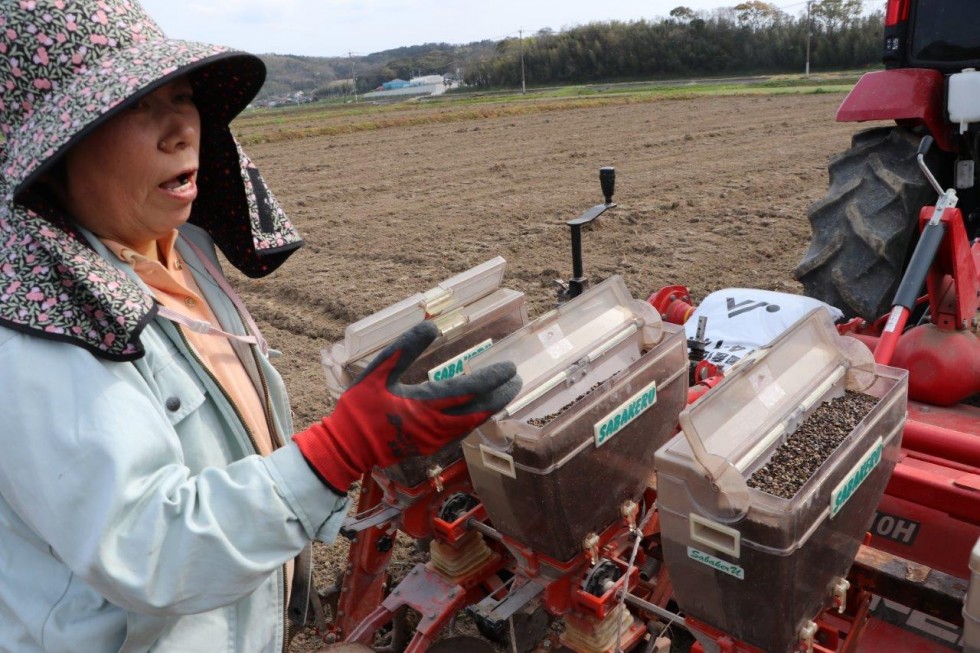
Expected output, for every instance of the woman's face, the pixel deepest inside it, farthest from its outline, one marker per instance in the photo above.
(133, 180)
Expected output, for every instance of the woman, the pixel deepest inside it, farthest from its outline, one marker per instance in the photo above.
(150, 494)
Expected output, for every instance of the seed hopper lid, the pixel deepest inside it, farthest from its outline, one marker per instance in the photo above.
(557, 345)
(375, 331)
(444, 305)
(765, 395)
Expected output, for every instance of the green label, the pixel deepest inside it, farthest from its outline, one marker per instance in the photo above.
(717, 563)
(625, 413)
(846, 488)
(454, 366)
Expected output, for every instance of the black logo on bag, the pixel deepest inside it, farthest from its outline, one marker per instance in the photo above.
(748, 305)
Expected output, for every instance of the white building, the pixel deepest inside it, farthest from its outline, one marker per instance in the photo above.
(426, 85)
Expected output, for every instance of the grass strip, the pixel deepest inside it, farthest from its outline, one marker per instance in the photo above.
(253, 128)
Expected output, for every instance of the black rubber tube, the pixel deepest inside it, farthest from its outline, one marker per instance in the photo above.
(915, 274)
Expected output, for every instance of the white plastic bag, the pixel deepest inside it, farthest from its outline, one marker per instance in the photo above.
(741, 320)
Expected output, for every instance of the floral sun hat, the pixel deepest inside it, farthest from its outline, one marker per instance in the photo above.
(66, 67)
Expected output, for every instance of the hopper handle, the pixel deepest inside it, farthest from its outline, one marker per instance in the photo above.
(607, 181)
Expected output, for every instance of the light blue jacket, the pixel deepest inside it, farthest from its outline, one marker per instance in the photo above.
(134, 513)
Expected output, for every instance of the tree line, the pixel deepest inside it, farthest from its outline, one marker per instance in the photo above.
(751, 37)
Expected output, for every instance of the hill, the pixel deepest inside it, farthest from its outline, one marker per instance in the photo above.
(318, 77)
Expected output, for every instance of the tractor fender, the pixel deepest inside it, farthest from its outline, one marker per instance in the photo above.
(909, 96)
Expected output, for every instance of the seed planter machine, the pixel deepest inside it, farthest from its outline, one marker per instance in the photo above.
(652, 496)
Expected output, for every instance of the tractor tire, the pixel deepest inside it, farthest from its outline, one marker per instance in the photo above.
(864, 229)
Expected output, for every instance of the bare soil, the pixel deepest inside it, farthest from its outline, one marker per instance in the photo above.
(712, 193)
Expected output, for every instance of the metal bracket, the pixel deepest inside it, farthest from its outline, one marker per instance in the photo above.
(354, 525)
(508, 607)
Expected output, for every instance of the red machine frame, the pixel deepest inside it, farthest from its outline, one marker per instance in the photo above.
(928, 520)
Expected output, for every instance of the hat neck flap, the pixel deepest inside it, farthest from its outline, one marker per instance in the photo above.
(53, 285)
(236, 207)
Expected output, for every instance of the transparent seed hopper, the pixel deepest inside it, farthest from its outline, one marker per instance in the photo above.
(472, 312)
(604, 380)
(750, 563)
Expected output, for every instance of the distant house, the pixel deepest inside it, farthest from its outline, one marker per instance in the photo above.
(426, 80)
(394, 85)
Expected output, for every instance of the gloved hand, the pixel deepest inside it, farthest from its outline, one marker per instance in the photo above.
(379, 421)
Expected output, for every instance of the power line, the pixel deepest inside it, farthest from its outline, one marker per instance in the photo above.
(809, 31)
(523, 87)
(353, 75)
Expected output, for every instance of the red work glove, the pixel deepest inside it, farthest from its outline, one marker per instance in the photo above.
(379, 421)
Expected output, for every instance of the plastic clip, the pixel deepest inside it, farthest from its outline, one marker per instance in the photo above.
(629, 511)
(591, 546)
(435, 476)
(807, 635)
(839, 593)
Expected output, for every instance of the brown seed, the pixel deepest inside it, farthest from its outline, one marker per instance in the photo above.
(796, 459)
(542, 421)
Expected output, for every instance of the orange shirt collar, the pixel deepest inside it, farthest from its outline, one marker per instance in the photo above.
(165, 247)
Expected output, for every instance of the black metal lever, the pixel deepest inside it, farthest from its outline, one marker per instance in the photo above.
(607, 180)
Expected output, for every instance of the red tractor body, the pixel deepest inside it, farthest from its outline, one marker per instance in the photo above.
(865, 238)
(912, 97)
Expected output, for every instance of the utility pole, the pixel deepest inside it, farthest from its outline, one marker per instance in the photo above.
(809, 30)
(523, 87)
(352, 75)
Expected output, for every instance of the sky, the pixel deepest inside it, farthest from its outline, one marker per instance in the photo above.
(330, 28)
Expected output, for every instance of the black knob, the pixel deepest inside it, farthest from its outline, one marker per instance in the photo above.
(925, 144)
(607, 179)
